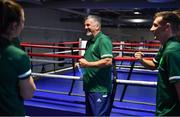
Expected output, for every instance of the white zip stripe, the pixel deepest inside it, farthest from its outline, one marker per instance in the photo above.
(106, 55)
(174, 78)
(25, 74)
(155, 61)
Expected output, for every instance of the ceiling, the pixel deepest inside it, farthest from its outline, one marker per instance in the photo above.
(114, 13)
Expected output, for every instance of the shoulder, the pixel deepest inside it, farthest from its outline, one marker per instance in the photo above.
(172, 52)
(15, 53)
(104, 36)
(172, 47)
(104, 39)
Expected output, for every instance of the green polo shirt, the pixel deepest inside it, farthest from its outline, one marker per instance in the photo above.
(157, 58)
(14, 66)
(167, 103)
(98, 79)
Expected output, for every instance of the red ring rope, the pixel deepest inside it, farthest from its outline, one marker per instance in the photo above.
(51, 43)
(48, 46)
(55, 55)
(78, 56)
(75, 48)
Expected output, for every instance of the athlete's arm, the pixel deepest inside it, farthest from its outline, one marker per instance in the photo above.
(101, 63)
(177, 85)
(27, 88)
(146, 63)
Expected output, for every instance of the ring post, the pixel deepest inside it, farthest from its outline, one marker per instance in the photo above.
(115, 77)
(128, 78)
(74, 73)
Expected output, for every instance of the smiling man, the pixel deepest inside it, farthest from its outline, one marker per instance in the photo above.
(97, 63)
(165, 29)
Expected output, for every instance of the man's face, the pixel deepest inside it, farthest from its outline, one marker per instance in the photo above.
(90, 27)
(159, 29)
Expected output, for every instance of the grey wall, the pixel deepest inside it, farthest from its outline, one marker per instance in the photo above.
(130, 34)
(43, 25)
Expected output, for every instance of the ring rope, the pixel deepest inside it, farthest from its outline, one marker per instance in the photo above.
(55, 76)
(55, 55)
(47, 61)
(62, 52)
(49, 47)
(75, 48)
(52, 43)
(136, 44)
(128, 66)
(130, 82)
(150, 53)
(136, 82)
(114, 44)
(141, 70)
(78, 56)
(136, 50)
(61, 70)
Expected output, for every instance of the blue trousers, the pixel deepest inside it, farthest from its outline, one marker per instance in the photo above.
(97, 104)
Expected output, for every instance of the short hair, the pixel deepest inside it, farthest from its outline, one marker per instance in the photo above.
(95, 18)
(169, 17)
(10, 12)
(177, 12)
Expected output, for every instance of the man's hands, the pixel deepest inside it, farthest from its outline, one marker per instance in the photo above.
(138, 55)
(105, 62)
(83, 62)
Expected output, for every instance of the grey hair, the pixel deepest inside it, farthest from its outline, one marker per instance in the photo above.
(95, 18)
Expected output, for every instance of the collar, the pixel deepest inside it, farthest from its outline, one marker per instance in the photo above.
(98, 35)
(4, 42)
(170, 40)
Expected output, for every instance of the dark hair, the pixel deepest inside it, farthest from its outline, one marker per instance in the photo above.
(10, 12)
(169, 17)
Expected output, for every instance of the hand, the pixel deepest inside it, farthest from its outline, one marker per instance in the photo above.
(138, 55)
(83, 62)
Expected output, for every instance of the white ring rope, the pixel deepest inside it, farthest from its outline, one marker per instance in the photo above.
(149, 53)
(128, 66)
(131, 82)
(55, 76)
(61, 70)
(136, 82)
(62, 52)
(136, 69)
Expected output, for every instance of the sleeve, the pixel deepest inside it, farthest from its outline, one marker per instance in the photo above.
(23, 67)
(157, 58)
(106, 48)
(173, 62)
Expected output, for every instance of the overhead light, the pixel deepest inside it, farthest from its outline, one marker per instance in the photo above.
(160, 1)
(137, 20)
(137, 12)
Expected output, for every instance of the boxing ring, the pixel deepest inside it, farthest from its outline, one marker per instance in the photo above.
(60, 91)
